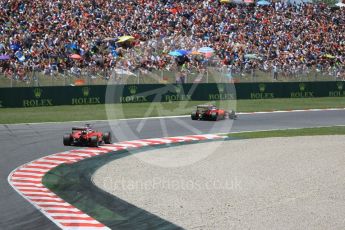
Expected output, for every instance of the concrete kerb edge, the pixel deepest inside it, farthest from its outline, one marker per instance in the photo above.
(209, 137)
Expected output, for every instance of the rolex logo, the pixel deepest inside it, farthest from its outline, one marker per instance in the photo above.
(302, 87)
(86, 91)
(262, 87)
(340, 85)
(38, 92)
(133, 89)
(221, 88)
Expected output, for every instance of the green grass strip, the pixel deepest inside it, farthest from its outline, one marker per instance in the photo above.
(334, 130)
(137, 110)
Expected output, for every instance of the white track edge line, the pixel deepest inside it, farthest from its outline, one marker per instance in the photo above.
(179, 116)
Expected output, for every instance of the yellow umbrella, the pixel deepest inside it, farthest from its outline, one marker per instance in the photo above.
(225, 1)
(329, 56)
(125, 38)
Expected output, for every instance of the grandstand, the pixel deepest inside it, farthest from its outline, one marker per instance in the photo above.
(91, 42)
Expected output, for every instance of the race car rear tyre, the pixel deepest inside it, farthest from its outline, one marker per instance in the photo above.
(233, 115)
(107, 138)
(194, 116)
(214, 116)
(94, 141)
(67, 140)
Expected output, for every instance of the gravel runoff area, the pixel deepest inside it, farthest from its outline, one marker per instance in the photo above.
(271, 183)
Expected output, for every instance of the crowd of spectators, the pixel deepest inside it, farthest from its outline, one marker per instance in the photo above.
(41, 35)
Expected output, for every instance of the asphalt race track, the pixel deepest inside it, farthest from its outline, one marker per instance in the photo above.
(23, 143)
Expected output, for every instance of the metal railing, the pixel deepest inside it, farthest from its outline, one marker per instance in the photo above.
(209, 75)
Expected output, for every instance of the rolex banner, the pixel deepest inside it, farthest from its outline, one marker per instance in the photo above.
(101, 94)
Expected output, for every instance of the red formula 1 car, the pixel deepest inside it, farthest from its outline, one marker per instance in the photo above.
(85, 136)
(211, 113)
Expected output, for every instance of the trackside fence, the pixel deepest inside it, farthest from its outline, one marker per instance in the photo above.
(102, 94)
